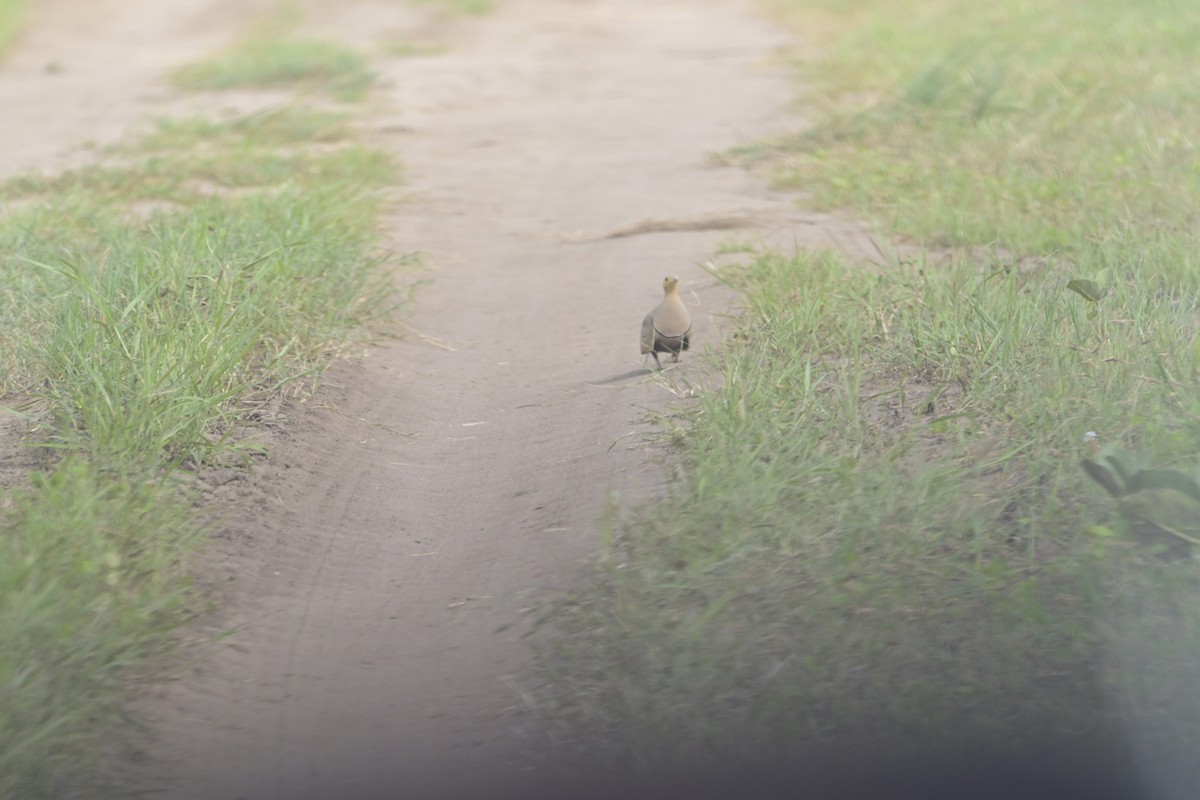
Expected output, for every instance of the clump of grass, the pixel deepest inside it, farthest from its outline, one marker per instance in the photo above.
(283, 63)
(469, 7)
(737, 244)
(880, 543)
(185, 161)
(12, 21)
(252, 290)
(140, 344)
(283, 126)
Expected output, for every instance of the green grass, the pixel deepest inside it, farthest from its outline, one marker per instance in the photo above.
(880, 542)
(271, 62)
(1041, 132)
(285, 126)
(251, 290)
(140, 344)
(91, 583)
(12, 21)
(185, 161)
(189, 178)
(469, 7)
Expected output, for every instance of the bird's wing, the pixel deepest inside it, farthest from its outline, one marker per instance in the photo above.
(648, 333)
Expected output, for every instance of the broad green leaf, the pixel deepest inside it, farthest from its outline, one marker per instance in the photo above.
(1103, 476)
(1155, 512)
(1163, 479)
(1088, 290)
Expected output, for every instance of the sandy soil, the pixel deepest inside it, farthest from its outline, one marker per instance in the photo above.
(380, 571)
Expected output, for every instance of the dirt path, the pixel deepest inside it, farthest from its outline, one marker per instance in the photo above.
(443, 487)
(88, 70)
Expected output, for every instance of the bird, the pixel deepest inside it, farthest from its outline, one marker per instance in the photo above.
(668, 328)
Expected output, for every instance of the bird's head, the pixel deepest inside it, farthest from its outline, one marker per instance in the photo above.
(670, 283)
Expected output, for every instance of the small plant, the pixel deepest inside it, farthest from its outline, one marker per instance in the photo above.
(1160, 506)
(1091, 290)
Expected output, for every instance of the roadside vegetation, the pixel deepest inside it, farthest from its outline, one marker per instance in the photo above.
(153, 305)
(881, 542)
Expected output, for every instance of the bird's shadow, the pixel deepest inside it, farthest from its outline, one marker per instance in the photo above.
(624, 376)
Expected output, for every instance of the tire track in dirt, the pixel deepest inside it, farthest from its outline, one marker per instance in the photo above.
(450, 482)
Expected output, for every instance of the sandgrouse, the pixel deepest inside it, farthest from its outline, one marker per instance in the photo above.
(668, 327)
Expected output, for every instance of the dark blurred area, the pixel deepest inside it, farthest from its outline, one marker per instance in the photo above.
(1047, 775)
